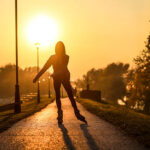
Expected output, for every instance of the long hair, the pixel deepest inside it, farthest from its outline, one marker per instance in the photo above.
(60, 49)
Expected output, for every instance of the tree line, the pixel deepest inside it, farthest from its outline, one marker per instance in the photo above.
(118, 81)
(8, 80)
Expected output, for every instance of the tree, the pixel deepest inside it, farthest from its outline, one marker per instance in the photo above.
(114, 87)
(109, 80)
(7, 76)
(141, 90)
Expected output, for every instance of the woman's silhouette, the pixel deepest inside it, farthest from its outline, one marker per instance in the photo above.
(61, 75)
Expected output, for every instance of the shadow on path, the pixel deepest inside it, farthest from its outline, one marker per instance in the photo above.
(66, 137)
(90, 141)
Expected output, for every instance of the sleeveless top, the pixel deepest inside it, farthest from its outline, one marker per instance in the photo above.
(60, 66)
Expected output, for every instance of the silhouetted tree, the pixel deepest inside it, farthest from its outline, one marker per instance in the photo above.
(109, 80)
(141, 83)
(7, 77)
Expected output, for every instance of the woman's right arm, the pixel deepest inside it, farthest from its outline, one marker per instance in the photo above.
(45, 67)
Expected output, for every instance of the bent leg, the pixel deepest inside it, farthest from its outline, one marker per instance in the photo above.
(68, 88)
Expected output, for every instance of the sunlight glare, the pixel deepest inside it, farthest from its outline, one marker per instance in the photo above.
(43, 30)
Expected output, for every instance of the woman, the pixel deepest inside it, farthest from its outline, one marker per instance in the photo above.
(61, 75)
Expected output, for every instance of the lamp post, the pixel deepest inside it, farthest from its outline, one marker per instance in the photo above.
(38, 83)
(17, 108)
(49, 87)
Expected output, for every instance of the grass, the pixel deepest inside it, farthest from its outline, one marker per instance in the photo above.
(8, 117)
(135, 124)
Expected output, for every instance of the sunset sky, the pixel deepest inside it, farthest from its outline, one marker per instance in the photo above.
(95, 32)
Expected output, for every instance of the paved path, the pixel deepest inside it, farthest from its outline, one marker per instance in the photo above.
(41, 131)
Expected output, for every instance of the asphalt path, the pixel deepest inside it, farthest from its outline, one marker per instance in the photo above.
(42, 132)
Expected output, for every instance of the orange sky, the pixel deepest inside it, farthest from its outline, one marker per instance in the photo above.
(95, 32)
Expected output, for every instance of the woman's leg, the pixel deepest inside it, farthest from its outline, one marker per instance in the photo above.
(68, 88)
(57, 85)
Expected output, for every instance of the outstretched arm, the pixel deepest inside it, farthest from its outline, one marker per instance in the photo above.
(45, 67)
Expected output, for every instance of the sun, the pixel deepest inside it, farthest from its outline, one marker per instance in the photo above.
(42, 29)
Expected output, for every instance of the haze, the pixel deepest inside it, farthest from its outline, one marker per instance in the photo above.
(95, 32)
